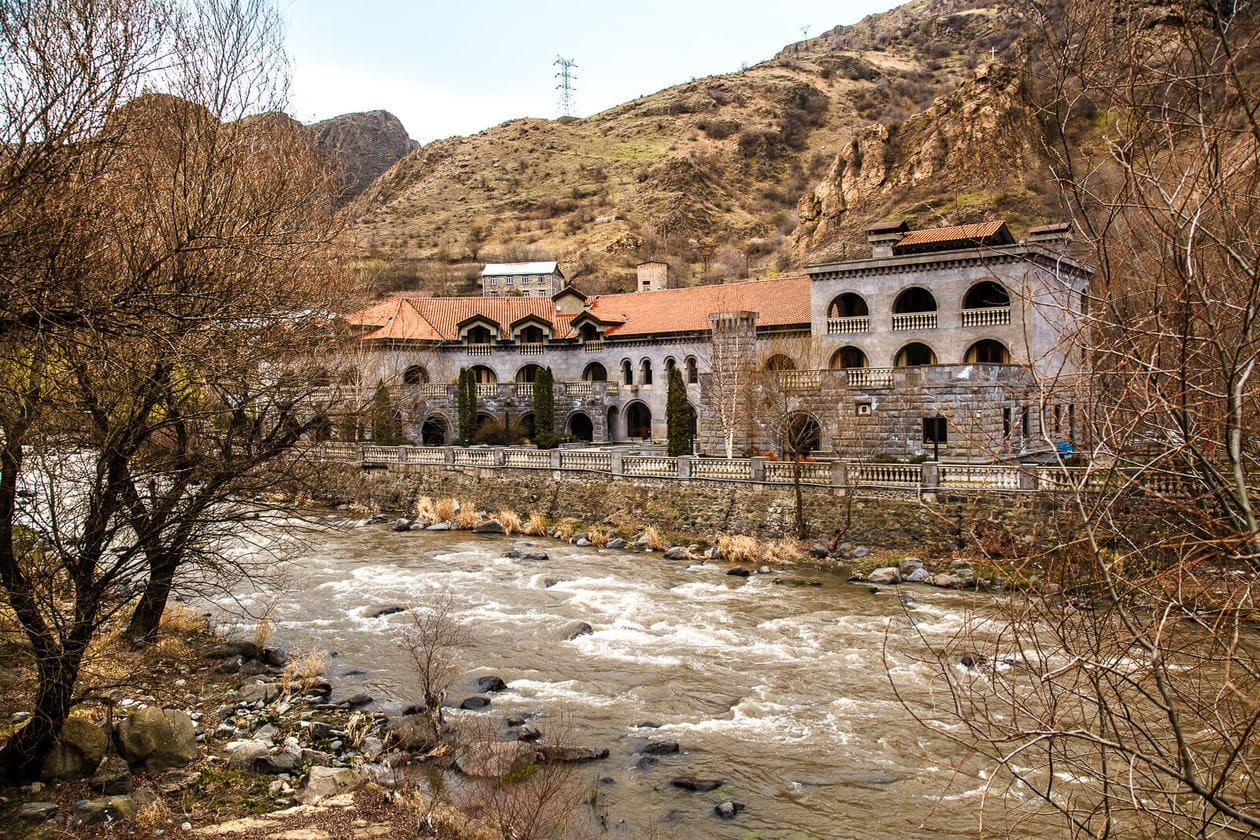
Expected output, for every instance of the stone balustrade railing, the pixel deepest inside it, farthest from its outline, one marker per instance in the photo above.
(914, 321)
(925, 477)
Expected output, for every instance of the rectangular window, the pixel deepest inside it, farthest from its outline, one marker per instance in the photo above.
(1072, 421)
(863, 409)
(1058, 420)
(935, 430)
(508, 281)
(1023, 420)
(1006, 423)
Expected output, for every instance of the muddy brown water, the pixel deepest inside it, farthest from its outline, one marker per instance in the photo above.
(784, 691)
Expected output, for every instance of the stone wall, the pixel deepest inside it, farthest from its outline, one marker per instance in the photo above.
(704, 509)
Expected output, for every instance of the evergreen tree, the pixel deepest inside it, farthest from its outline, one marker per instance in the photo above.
(544, 410)
(383, 420)
(466, 406)
(677, 415)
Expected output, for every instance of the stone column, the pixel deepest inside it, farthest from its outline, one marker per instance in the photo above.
(758, 468)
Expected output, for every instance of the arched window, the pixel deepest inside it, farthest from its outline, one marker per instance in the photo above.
(531, 335)
(914, 299)
(638, 420)
(483, 375)
(986, 295)
(987, 352)
(780, 361)
(433, 431)
(627, 372)
(915, 354)
(528, 373)
(848, 357)
(645, 372)
(693, 373)
(415, 375)
(480, 335)
(595, 372)
(670, 364)
(848, 305)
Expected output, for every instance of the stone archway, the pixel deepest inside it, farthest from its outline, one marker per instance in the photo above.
(581, 427)
(638, 420)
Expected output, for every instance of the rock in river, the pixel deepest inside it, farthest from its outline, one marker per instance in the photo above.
(491, 684)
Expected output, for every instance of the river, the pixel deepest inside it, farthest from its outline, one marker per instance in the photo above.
(783, 690)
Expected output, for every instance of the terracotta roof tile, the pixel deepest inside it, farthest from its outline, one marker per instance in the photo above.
(962, 236)
(781, 301)
(778, 302)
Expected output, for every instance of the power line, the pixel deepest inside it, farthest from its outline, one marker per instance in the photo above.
(567, 77)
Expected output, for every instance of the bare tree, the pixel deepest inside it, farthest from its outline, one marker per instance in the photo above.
(197, 247)
(432, 642)
(1121, 690)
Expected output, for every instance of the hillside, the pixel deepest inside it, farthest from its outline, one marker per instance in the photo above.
(743, 173)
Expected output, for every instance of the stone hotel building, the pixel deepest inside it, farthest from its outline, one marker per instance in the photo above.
(959, 342)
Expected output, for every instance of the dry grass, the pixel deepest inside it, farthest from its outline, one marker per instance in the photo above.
(654, 539)
(536, 526)
(303, 671)
(264, 627)
(599, 537)
(179, 620)
(567, 527)
(425, 511)
(468, 517)
(511, 522)
(445, 510)
(739, 548)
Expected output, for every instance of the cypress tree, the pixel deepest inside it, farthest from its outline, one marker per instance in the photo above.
(383, 417)
(544, 410)
(677, 415)
(466, 406)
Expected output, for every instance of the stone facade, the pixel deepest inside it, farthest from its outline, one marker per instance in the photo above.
(964, 345)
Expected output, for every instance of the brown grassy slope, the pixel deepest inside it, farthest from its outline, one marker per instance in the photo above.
(706, 175)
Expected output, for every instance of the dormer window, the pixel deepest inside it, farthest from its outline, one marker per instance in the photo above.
(478, 335)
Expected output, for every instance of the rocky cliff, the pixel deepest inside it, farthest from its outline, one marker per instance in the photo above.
(363, 146)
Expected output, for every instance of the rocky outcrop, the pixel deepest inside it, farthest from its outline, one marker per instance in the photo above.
(363, 145)
(966, 156)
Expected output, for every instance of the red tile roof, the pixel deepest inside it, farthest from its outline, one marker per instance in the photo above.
(778, 302)
(959, 236)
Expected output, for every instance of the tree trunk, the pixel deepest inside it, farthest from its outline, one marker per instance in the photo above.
(800, 499)
(142, 629)
(22, 757)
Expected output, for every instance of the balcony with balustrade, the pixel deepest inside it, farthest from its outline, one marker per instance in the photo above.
(992, 316)
(849, 326)
(909, 321)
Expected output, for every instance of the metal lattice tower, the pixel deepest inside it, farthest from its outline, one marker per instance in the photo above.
(566, 87)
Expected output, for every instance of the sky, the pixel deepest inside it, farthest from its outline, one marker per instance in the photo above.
(454, 68)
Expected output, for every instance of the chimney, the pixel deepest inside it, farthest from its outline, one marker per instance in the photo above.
(653, 276)
(883, 236)
(1057, 235)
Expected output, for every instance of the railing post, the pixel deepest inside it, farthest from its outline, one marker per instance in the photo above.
(616, 466)
(757, 468)
(929, 476)
(498, 456)
(839, 474)
(450, 456)
(684, 467)
(555, 459)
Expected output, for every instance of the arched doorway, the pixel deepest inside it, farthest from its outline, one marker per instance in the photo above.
(986, 295)
(780, 361)
(526, 425)
(915, 354)
(595, 372)
(483, 375)
(528, 373)
(581, 427)
(987, 352)
(801, 434)
(848, 357)
(638, 420)
(848, 305)
(433, 430)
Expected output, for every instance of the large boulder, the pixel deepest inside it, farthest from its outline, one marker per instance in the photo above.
(908, 564)
(577, 630)
(77, 752)
(567, 753)
(491, 684)
(492, 759)
(328, 781)
(157, 738)
(261, 692)
(414, 733)
(490, 526)
(242, 754)
(885, 575)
